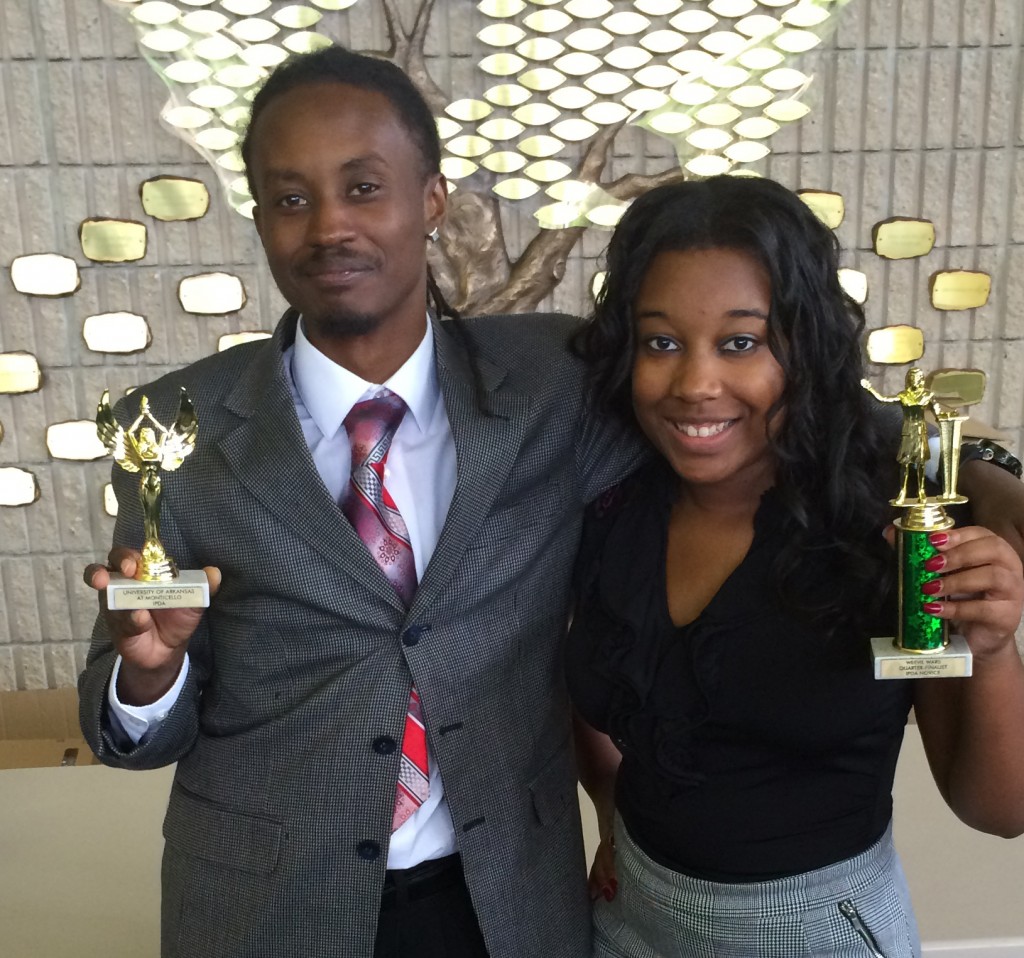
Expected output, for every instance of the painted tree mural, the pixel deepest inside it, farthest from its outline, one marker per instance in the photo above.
(556, 83)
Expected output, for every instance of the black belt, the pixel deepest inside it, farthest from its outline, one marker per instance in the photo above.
(403, 885)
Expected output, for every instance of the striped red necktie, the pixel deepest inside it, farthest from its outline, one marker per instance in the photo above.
(368, 506)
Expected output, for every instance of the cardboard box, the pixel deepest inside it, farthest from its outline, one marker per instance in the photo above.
(39, 729)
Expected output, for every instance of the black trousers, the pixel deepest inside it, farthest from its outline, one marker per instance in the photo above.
(426, 912)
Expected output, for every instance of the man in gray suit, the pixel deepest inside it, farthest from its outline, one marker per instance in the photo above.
(302, 821)
(287, 705)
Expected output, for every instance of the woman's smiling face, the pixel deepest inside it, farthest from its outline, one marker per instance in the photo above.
(704, 379)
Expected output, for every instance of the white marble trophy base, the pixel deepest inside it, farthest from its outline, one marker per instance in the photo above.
(190, 590)
(953, 662)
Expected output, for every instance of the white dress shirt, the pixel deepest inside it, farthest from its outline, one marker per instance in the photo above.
(324, 393)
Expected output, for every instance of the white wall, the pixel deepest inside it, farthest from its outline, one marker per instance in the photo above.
(80, 864)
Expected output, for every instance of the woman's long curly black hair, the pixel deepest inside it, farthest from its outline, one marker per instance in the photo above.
(832, 471)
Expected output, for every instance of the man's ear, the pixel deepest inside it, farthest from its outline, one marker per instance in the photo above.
(435, 201)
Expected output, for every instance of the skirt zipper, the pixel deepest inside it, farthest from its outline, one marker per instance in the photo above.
(849, 911)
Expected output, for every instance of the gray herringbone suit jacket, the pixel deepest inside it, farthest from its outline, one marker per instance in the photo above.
(279, 817)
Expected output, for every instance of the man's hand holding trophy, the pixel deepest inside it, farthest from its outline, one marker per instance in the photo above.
(149, 448)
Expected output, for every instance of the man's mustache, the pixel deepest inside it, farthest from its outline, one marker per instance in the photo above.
(336, 258)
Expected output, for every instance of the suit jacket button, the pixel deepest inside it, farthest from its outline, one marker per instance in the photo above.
(384, 745)
(413, 634)
(368, 850)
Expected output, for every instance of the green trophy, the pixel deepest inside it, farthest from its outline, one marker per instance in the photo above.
(923, 647)
(149, 448)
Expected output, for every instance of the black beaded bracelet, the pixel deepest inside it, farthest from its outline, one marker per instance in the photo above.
(992, 452)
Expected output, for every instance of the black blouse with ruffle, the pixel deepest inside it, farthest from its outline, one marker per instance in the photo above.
(752, 746)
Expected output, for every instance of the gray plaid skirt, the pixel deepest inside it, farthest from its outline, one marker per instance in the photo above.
(858, 908)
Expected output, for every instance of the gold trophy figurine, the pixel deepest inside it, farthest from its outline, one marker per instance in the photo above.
(923, 647)
(913, 454)
(149, 448)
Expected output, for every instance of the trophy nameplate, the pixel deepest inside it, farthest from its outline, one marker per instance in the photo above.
(149, 448)
(954, 661)
(922, 647)
(190, 590)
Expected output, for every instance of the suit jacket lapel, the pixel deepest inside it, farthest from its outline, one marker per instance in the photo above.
(486, 448)
(269, 456)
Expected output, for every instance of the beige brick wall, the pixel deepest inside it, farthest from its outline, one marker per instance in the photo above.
(918, 111)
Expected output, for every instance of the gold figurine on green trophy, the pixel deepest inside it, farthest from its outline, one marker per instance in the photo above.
(149, 448)
(922, 647)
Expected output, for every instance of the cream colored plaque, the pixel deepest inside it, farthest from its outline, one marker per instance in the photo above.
(211, 294)
(19, 373)
(116, 333)
(18, 487)
(236, 339)
(74, 440)
(45, 274)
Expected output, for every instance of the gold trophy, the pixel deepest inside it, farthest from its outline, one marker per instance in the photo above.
(148, 448)
(923, 647)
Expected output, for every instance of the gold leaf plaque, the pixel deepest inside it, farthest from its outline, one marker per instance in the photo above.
(469, 110)
(468, 146)
(113, 241)
(502, 128)
(786, 111)
(45, 274)
(501, 8)
(559, 216)
(746, 152)
(504, 161)
(957, 387)
(515, 188)
(895, 345)
(547, 171)
(960, 289)
(900, 238)
(507, 94)
(297, 17)
(708, 165)
(19, 373)
(828, 207)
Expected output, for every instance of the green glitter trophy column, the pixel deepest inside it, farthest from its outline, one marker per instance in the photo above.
(923, 647)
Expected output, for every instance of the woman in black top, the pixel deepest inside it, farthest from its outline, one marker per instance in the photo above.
(727, 593)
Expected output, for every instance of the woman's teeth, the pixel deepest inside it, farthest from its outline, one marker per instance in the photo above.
(702, 432)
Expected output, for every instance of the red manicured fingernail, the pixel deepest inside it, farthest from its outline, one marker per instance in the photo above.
(938, 538)
(607, 893)
(935, 563)
(932, 608)
(932, 588)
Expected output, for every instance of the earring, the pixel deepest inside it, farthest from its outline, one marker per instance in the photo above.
(434, 235)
